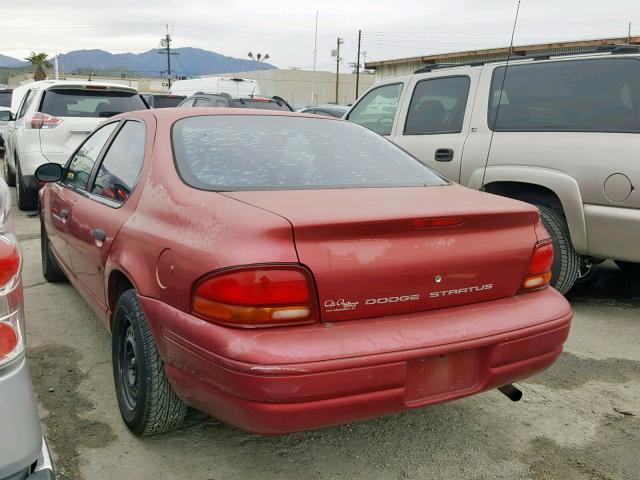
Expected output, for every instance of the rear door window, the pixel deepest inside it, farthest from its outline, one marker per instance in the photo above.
(377, 109)
(81, 164)
(438, 106)
(122, 163)
(595, 95)
(90, 103)
(26, 103)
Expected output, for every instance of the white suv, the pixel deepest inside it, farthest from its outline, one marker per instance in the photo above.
(560, 132)
(50, 119)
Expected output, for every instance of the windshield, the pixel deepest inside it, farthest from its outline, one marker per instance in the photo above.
(263, 152)
(5, 99)
(260, 104)
(90, 103)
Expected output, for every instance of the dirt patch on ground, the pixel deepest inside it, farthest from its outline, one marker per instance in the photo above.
(617, 437)
(571, 371)
(56, 379)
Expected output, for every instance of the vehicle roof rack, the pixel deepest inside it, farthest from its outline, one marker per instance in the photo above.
(612, 49)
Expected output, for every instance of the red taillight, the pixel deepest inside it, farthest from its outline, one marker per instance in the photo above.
(539, 271)
(253, 297)
(44, 120)
(9, 261)
(8, 339)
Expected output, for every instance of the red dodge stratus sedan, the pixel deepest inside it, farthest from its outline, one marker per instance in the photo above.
(283, 272)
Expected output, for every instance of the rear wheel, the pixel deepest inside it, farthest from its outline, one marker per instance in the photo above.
(566, 262)
(147, 402)
(8, 174)
(26, 198)
(630, 268)
(51, 270)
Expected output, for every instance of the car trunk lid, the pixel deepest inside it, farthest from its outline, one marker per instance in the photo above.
(380, 251)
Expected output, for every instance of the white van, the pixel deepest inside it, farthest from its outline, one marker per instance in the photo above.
(236, 87)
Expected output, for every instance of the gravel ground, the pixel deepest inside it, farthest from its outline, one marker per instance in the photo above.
(578, 420)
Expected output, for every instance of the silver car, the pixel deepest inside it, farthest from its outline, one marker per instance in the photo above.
(23, 450)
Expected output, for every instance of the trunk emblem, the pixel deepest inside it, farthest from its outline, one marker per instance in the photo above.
(438, 279)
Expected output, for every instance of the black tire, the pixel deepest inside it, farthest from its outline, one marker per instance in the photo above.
(51, 270)
(630, 268)
(26, 198)
(566, 262)
(147, 402)
(9, 175)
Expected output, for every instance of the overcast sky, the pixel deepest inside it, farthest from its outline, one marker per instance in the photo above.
(285, 28)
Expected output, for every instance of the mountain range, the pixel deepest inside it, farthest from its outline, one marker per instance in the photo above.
(188, 62)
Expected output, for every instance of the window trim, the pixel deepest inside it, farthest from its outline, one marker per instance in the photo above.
(443, 132)
(96, 168)
(75, 188)
(540, 130)
(395, 115)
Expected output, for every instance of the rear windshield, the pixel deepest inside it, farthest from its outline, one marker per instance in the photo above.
(90, 103)
(166, 101)
(241, 152)
(5, 99)
(260, 104)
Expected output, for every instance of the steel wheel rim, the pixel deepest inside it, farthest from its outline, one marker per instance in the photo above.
(129, 373)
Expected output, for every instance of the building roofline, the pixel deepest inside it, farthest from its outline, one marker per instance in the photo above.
(517, 50)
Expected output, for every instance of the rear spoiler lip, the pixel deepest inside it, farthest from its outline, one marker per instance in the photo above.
(122, 88)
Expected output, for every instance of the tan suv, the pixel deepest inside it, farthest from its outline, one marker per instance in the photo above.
(559, 132)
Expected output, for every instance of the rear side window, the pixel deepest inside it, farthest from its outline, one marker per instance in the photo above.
(122, 163)
(261, 152)
(438, 106)
(600, 95)
(377, 109)
(81, 164)
(90, 103)
(26, 103)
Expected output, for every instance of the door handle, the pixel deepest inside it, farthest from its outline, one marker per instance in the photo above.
(98, 234)
(444, 155)
(64, 214)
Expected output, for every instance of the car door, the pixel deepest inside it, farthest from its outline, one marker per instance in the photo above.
(65, 194)
(17, 129)
(433, 122)
(99, 215)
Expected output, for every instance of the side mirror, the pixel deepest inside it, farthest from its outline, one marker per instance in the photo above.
(49, 172)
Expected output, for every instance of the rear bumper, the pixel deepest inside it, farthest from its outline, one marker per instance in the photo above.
(21, 440)
(287, 379)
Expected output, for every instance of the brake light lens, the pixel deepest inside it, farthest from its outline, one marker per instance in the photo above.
(9, 261)
(44, 120)
(441, 222)
(256, 297)
(8, 339)
(539, 271)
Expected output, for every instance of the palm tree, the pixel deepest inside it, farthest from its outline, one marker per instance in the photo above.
(40, 61)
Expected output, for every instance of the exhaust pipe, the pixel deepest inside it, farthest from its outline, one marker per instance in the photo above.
(513, 393)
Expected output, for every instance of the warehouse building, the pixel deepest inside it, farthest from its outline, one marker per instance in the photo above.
(405, 66)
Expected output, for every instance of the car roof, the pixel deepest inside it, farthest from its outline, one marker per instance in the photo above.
(77, 83)
(170, 115)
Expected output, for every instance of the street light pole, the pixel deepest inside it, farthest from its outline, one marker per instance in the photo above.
(339, 42)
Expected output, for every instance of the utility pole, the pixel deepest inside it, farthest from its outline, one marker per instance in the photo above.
(337, 51)
(629, 34)
(165, 43)
(358, 64)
